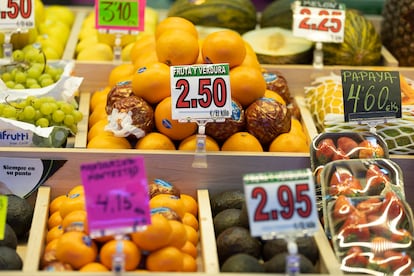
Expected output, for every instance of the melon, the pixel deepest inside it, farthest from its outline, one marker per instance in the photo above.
(277, 14)
(275, 45)
(238, 15)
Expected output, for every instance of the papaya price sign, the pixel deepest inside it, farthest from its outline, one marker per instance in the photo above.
(371, 95)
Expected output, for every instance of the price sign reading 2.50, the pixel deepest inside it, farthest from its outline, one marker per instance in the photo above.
(281, 202)
(15, 14)
(200, 92)
(120, 14)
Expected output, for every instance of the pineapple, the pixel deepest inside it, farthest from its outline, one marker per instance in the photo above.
(397, 30)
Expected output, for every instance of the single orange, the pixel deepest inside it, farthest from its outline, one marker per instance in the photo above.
(189, 263)
(242, 141)
(178, 235)
(155, 141)
(190, 249)
(72, 202)
(98, 128)
(144, 44)
(75, 190)
(75, 221)
(192, 235)
(191, 220)
(93, 267)
(297, 127)
(121, 72)
(154, 236)
(105, 141)
(166, 259)
(177, 47)
(54, 220)
(145, 59)
(99, 96)
(49, 253)
(251, 60)
(274, 95)
(98, 113)
(175, 23)
(54, 233)
(289, 142)
(129, 249)
(190, 143)
(76, 249)
(169, 201)
(172, 128)
(225, 46)
(152, 82)
(247, 84)
(190, 204)
(54, 205)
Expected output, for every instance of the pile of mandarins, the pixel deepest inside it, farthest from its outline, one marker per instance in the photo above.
(176, 41)
(169, 243)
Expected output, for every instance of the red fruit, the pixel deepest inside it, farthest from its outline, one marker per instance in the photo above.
(325, 150)
(340, 154)
(370, 206)
(344, 183)
(347, 144)
(343, 208)
(393, 207)
(368, 149)
(355, 258)
(355, 228)
(375, 178)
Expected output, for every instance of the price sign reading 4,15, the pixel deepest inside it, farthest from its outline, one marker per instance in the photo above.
(17, 14)
(116, 193)
(371, 95)
(200, 92)
(281, 203)
(319, 21)
(123, 15)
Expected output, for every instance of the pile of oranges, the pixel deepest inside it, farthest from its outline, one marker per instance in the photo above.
(168, 244)
(176, 41)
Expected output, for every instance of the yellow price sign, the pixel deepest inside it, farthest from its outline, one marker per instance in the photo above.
(3, 215)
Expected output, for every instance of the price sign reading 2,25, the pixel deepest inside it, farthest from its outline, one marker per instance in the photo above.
(281, 203)
(120, 14)
(16, 14)
(200, 92)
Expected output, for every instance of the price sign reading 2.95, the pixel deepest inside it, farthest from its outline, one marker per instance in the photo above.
(116, 193)
(200, 92)
(17, 14)
(127, 15)
(281, 203)
(322, 22)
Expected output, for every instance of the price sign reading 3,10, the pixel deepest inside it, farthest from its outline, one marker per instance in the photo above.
(281, 204)
(127, 15)
(17, 14)
(200, 92)
(322, 24)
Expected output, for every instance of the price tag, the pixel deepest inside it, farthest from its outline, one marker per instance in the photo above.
(371, 95)
(319, 21)
(200, 92)
(117, 200)
(281, 203)
(3, 215)
(120, 15)
(17, 14)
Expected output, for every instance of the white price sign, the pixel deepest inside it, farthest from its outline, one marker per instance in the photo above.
(324, 23)
(200, 92)
(17, 14)
(281, 203)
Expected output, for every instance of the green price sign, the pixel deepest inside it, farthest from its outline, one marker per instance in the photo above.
(123, 15)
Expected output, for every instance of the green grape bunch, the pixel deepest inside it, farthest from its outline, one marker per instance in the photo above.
(44, 111)
(29, 69)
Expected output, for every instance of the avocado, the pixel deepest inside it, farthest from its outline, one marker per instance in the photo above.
(19, 214)
(237, 239)
(226, 200)
(306, 246)
(225, 219)
(10, 238)
(244, 216)
(242, 262)
(10, 259)
(277, 264)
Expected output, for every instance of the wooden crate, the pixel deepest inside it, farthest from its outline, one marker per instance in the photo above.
(224, 172)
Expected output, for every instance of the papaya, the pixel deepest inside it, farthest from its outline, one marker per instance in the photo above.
(238, 15)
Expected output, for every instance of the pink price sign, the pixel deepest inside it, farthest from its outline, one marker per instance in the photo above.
(116, 194)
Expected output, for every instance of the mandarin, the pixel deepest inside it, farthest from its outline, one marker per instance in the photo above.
(105, 141)
(247, 84)
(99, 96)
(289, 142)
(189, 263)
(172, 128)
(190, 143)
(98, 128)
(54, 205)
(54, 220)
(142, 46)
(93, 267)
(121, 72)
(274, 95)
(242, 141)
(74, 201)
(169, 201)
(155, 141)
(152, 82)
(54, 233)
(178, 235)
(129, 249)
(190, 249)
(76, 249)
(225, 46)
(98, 113)
(177, 47)
(191, 220)
(75, 221)
(175, 23)
(190, 204)
(144, 60)
(168, 259)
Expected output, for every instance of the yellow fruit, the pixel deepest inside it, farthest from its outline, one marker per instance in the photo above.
(242, 141)
(190, 144)
(121, 72)
(289, 142)
(155, 141)
(175, 23)
(247, 84)
(96, 52)
(105, 141)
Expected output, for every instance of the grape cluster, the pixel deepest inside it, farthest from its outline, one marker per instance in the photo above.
(43, 111)
(29, 69)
